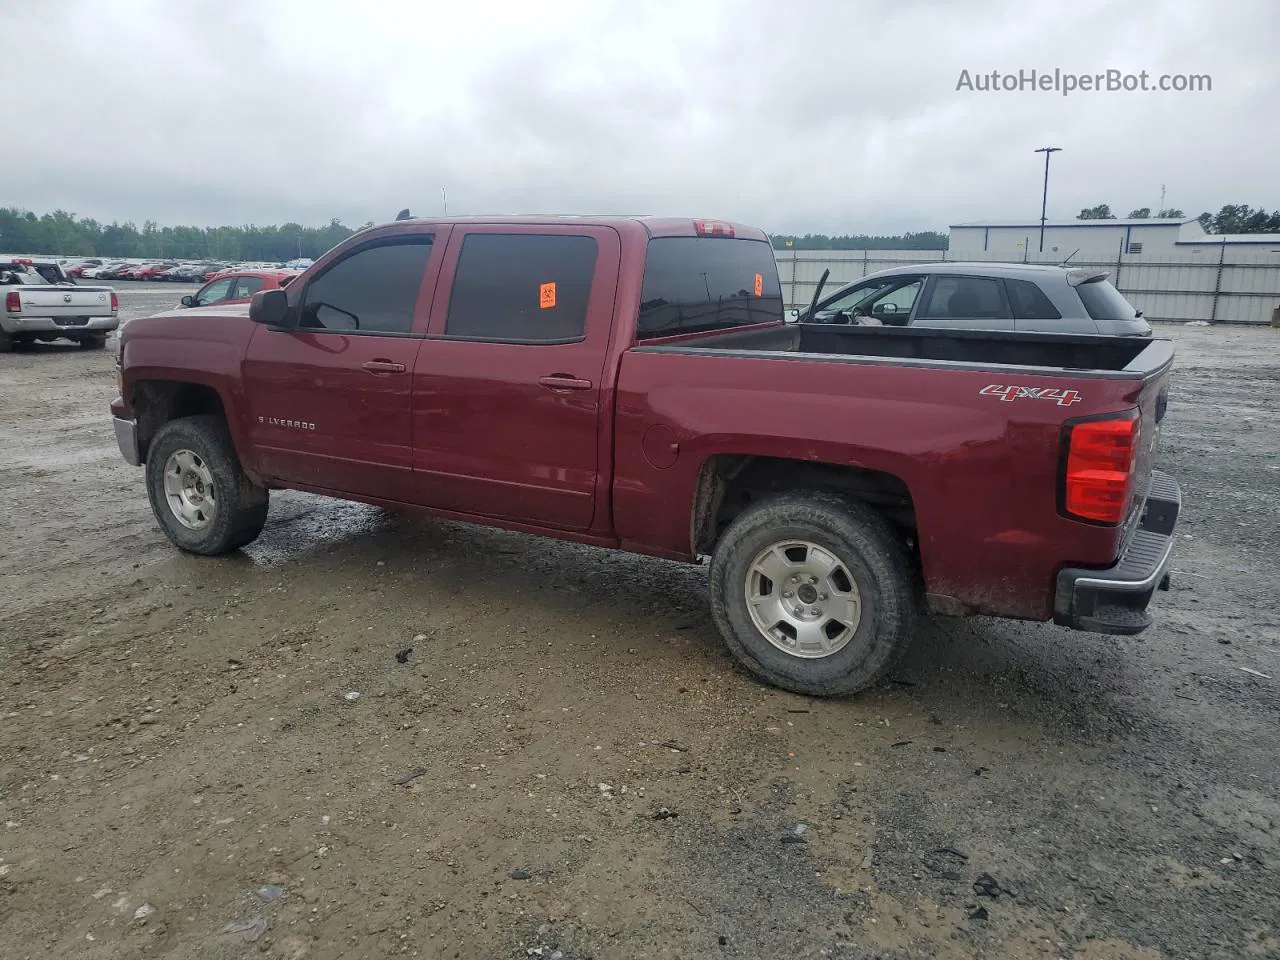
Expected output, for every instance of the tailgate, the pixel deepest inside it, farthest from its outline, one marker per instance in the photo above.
(1153, 401)
(60, 302)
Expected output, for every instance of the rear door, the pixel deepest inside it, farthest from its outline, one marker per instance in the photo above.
(506, 393)
(329, 401)
(960, 302)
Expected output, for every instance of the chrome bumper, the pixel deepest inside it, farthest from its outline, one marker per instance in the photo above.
(127, 439)
(50, 325)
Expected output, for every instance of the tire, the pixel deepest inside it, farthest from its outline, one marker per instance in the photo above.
(871, 570)
(93, 343)
(200, 448)
(6, 342)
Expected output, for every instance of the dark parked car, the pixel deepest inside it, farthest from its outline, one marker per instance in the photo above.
(985, 296)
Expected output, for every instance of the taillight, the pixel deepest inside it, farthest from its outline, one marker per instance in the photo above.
(115, 302)
(712, 228)
(1099, 471)
(13, 302)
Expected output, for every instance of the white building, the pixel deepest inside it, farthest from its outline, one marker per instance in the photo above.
(1151, 240)
(1093, 239)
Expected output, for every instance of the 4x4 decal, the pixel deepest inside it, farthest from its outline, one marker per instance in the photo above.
(1065, 398)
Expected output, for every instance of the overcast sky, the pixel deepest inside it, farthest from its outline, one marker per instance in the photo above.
(830, 116)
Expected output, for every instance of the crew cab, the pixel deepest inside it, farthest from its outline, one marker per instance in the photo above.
(42, 303)
(630, 383)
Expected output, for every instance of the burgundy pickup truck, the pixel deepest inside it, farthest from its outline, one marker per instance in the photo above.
(631, 383)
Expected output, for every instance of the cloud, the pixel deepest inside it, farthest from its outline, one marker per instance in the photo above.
(816, 116)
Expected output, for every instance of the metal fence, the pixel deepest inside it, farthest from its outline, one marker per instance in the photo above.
(1213, 284)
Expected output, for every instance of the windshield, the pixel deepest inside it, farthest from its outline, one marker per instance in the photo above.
(849, 299)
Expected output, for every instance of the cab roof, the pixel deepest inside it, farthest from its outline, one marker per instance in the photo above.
(653, 226)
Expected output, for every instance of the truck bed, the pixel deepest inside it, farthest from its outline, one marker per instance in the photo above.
(1081, 355)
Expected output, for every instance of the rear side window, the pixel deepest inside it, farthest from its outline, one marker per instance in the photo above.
(692, 284)
(964, 298)
(1105, 302)
(522, 287)
(1029, 302)
(374, 290)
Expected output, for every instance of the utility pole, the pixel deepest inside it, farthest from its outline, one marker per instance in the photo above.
(444, 199)
(1044, 199)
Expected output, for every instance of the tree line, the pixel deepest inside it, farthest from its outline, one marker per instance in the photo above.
(1232, 218)
(64, 234)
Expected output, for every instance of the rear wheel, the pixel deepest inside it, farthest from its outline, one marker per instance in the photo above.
(93, 343)
(199, 492)
(813, 593)
(6, 342)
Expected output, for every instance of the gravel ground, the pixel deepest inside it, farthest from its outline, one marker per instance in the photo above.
(564, 761)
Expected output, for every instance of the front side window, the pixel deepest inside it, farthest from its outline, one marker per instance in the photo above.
(692, 284)
(964, 298)
(374, 290)
(214, 292)
(889, 299)
(522, 287)
(847, 301)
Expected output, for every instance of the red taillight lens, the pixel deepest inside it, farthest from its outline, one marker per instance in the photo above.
(1100, 460)
(712, 228)
(12, 302)
(115, 302)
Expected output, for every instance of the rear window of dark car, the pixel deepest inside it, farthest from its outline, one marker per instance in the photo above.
(1105, 302)
(693, 284)
(1029, 301)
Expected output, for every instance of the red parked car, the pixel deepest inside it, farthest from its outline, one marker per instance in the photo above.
(238, 286)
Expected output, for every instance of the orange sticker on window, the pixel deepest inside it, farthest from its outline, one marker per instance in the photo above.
(547, 296)
(759, 285)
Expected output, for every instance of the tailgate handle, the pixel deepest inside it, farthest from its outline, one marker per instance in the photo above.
(562, 381)
(383, 366)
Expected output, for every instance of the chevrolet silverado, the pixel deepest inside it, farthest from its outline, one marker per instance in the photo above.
(630, 383)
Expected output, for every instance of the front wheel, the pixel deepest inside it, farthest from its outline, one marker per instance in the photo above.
(813, 593)
(199, 492)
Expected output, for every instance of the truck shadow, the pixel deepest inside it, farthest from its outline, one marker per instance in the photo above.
(975, 670)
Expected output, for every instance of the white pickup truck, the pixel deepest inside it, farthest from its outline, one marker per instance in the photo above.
(42, 303)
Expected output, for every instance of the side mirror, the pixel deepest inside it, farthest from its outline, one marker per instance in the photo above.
(188, 301)
(271, 307)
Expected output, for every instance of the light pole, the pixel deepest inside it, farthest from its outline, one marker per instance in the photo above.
(1044, 199)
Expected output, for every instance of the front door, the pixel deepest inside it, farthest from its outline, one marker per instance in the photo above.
(507, 391)
(329, 402)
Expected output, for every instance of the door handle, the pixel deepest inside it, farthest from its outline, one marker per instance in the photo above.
(562, 381)
(383, 366)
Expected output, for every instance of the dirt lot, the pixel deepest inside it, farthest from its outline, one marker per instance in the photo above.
(185, 773)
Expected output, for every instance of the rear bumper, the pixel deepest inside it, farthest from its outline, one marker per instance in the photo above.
(127, 440)
(61, 327)
(1115, 600)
